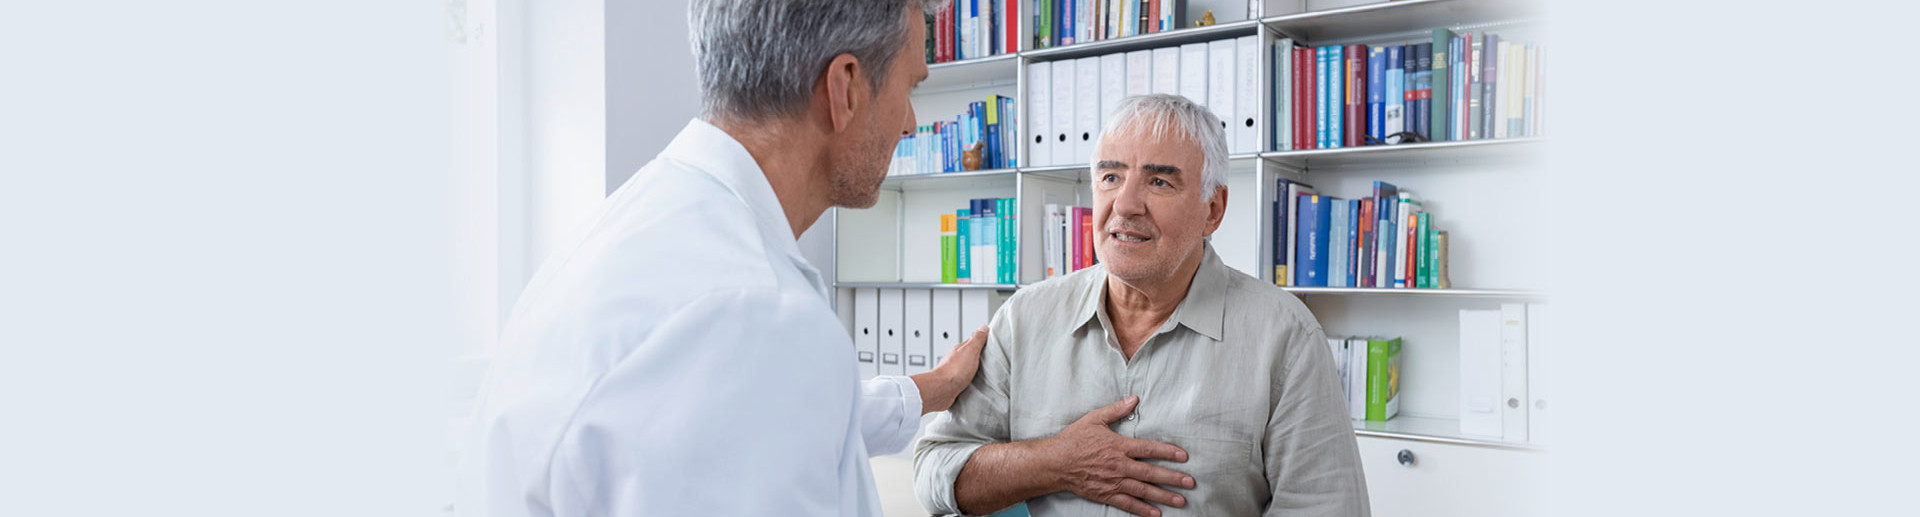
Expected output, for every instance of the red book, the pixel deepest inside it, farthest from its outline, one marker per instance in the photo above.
(1364, 267)
(1011, 9)
(1412, 244)
(1073, 238)
(940, 25)
(1355, 103)
(1086, 238)
(1153, 17)
(1303, 95)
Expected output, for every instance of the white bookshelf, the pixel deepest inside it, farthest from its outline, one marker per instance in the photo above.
(1488, 194)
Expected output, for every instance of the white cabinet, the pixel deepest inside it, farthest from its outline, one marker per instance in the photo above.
(1441, 480)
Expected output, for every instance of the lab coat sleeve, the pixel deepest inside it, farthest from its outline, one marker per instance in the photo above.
(889, 413)
(978, 417)
(714, 415)
(1312, 460)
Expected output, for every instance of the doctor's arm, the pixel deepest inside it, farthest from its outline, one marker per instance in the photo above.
(890, 406)
(1312, 461)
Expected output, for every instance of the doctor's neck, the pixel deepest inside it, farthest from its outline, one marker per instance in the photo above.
(795, 161)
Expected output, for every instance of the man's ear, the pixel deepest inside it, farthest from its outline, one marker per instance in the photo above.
(847, 90)
(1216, 209)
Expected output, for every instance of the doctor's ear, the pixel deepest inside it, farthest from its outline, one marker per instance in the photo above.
(846, 88)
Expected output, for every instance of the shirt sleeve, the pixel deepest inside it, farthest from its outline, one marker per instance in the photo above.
(1313, 462)
(889, 413)
(711, 416)
(978, 417)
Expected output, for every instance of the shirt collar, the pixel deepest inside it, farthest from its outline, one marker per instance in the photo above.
(1203, 309)
(703, 147)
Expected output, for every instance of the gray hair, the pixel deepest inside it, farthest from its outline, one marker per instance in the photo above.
(1165, 115)
(759, 59)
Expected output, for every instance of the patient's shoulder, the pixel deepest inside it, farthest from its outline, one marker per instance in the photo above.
(1262, 302)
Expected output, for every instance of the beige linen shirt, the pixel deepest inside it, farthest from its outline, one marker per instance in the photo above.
(1240, 377)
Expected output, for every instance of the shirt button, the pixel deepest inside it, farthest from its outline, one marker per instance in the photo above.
(1131, 416)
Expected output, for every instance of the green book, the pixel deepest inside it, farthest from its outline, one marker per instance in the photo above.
(949, 258)
(1433, 257)
(1004, 210)
(1442, 38)
(1383, 379)
(963, 257)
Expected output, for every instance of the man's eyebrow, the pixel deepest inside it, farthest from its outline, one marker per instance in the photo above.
(1161, 169)
(1109, 164)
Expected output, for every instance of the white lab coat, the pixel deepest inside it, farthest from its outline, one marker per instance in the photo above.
(681, 359)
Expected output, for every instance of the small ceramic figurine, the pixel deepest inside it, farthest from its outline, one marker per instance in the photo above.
(1205, 19)
(970, 158)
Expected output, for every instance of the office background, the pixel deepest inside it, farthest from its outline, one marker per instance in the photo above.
(244, 242)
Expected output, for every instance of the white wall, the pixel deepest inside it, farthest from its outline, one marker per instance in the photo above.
(567, 118)
(651, 90)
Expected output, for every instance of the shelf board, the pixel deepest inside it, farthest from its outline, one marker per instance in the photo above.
(1407, 155)
(997, 70)
(1146, 41)
(924, 285)
(1449, 292)
(1400, 18)
(1437, 430)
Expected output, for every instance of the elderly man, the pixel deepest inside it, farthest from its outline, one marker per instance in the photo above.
(681, 358)
(1224, 384)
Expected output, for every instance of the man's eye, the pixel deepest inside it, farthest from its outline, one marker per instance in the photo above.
(1161, 183)
(1109, 178)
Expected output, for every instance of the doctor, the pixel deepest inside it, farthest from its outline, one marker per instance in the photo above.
(682, 359)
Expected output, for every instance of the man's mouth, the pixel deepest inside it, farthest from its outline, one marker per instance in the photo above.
(1129, 237)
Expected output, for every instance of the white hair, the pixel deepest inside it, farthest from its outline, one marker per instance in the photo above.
(759, 59)
(1165, 115)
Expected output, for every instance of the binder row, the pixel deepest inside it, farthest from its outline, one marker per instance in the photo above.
(1503, 390)
(1456, 87)
(909, 331)
(1070, 100)
(1386, 240)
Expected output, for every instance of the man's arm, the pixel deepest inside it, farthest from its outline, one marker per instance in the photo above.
(1313, 463)
(890, 406)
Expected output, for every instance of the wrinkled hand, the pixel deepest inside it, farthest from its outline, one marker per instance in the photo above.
(944, 383)
(1103, 466)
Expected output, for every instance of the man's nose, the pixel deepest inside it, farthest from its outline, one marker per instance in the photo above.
(1130, 200)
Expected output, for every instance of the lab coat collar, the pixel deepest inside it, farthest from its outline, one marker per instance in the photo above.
(706, 148)
(1203, 309)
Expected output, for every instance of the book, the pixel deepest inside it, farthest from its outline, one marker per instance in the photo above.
(1352, 244)
(1384, 196)
(1420, 93)
(1439, 83)
(1403, 250)
(1423, 272)
(1314, 220)
(1357, 379)
(1383, 379)
(1376, 94)
(1336, 250)
(1336, 100)
(1395, 97)
(948, 255)
(963, 246)
(1292, 197)
(1354, 107)
(1475, 67)
(1008, 221)
(1303, 95)
(1440, 261)
(1323, 79)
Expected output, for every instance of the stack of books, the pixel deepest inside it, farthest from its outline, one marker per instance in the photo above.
(1065, 22)
(1455, 87)
(938, 147)
(971, 29)
(1067, 241)
(1369, 375)
(977, 243)
(1385, 240)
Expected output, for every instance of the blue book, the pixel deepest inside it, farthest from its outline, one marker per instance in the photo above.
(1314, 221)
(964, 248)
(1383, 195)
(1395, 112)
(1280, 234)
(1321, 91)
(1376, 93)
(1336, 104)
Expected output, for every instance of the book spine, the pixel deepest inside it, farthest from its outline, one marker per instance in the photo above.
(1087, 256)
(1475, 63)
(1336, 96)
(1376, 94)
(1354, 107)
(1403, 270)
(1352, 240)
(1322, 84)
(1421, 271)
(1314, 221)
(947, 271)
(1383, 379)
(962, 247)
(1437, 118)
(1365, 252)
(1280, 231)
(1302, 91)
(1423, 93)
(1007, 241)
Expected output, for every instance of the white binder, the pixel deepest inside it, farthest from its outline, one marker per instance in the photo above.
(1086, 108)
(1063, 76)
(1039, 113)
(1113, 87)
(919, 331)
(1513, 370)
(1139, 72)
(976, 308)
(1166, 70)
(866, 331)
(1193, 72)
(1246, 103)
(1480, 394)
(946, 323)
(893, 340)
(1539, 373)
(1220, 85)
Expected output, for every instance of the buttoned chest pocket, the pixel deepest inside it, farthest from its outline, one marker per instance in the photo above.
(1229, 476)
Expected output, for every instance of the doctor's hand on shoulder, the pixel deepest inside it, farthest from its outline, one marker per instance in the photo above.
(939, 387)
